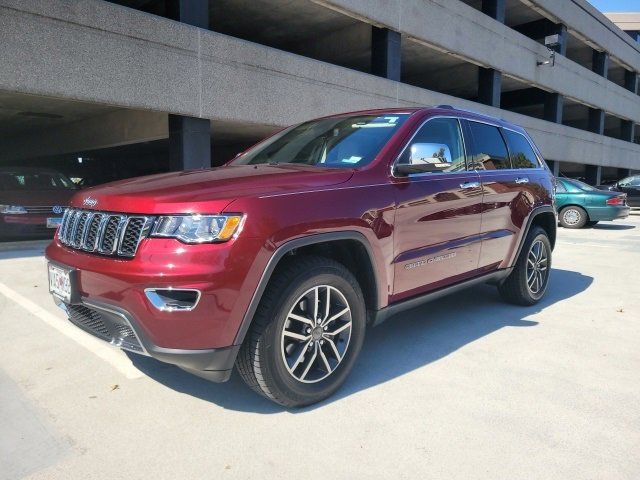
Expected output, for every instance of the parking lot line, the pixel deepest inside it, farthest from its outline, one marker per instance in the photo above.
(115, 357)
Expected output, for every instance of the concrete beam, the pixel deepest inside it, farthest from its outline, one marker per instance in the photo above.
(386, 53)
(121, 127)
(474, 30)
(112, 55)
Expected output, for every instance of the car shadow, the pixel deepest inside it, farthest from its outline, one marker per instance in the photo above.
(610, 226)
(404, 343)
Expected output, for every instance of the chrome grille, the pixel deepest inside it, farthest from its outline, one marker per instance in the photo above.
(104, 233)
(40, 209)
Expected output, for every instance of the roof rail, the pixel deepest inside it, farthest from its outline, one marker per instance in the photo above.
(450, 107)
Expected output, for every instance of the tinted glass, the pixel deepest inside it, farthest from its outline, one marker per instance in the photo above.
(560, 188)
(20, 180)
(581, 185)
(630, 182)
(444, 132)
(522, 154)
(489, 151)
(342, 142)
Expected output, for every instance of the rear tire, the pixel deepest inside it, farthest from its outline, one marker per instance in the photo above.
(573, 217)
(292, 358)
(528, 281)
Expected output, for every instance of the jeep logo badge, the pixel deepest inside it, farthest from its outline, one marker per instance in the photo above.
(57, 209)
(90, 202)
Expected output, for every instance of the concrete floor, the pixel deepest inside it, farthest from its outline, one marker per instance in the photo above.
(465, 387)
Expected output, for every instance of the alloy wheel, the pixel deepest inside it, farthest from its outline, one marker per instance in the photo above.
(571, 216)
(537, 267)
(316, 334)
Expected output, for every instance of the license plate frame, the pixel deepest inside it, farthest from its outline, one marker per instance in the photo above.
(62, 282)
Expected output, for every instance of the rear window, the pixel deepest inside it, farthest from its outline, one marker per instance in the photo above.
(488, 150)
(522, 154)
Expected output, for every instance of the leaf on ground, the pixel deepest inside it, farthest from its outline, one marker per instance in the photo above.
(115, 387)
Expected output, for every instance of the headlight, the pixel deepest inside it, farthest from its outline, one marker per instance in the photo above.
(12, 209)
(198, 228)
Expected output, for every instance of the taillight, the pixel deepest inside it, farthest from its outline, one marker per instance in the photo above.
(615, 201)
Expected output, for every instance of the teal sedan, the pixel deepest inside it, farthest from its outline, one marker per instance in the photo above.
(582, 205)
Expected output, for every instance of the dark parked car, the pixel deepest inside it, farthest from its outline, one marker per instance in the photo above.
(630, 186)
(32, 201)
(580, 204)
(278, 261)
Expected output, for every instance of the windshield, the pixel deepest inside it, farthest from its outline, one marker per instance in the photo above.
(34, 181)
(342, 142)
(582, 186)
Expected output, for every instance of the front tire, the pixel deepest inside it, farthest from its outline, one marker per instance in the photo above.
(573, 217)
(306, 334)
(528, 281)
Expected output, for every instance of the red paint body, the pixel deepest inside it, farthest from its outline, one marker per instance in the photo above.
(403, 219)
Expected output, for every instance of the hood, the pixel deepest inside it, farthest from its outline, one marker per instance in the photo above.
(40, 198)
(205, 190)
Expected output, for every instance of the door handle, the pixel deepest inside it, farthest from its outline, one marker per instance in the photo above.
(467, 185)
(522, 180)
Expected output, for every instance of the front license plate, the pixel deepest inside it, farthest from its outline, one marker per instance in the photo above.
(54, 222)
(60, 283)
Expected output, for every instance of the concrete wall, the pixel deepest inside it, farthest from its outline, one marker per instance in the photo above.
(99, 52)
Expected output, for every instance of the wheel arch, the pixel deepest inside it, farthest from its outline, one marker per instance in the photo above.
(334, 245)
(544, 217)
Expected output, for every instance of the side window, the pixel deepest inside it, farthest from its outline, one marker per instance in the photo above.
(522, 154)
(560, 188)
(437, 144)
(488, 151)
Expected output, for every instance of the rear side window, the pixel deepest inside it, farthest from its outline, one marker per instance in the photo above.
(522, 154)
(488, 150)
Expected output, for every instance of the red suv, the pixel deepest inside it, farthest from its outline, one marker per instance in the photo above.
(279, 260)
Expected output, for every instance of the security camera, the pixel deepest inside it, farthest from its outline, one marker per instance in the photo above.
(552, 41)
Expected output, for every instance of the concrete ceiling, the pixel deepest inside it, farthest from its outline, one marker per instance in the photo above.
(21, 113)
(516, 12)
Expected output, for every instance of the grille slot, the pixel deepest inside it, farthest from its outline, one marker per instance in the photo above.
(104, 233)
(105, 326)
(40, 209)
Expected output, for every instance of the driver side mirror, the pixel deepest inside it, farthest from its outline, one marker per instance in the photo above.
(426, 157)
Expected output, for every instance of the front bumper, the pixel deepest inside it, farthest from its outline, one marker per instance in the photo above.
(119, 328)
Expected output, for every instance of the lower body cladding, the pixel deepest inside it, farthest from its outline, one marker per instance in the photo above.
(118, 327)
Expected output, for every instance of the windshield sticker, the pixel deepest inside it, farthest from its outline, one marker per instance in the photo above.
(352, 159)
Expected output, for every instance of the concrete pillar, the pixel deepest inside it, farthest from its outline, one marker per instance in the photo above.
(386, 53)
(600, 63)
(554, 166)
(627, 130)
(189, 137)
(495, 9)
(631, 81)
(553, 106)
(191, 12)
(596, 120)
(593, 174)
(489, 86)
(189, 143)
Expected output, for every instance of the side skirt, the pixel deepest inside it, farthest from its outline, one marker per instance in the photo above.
(383, 314)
